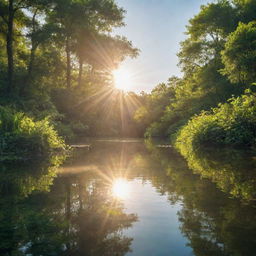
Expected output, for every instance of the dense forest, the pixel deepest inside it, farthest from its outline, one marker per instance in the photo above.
(56, 78)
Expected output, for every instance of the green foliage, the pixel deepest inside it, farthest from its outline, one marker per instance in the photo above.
(218, 62)
(213, 18)
(204, 89)
(239, 54)
(232, 123)
(56, 59)
(206, 34)
(246, 10)
(156, 129)
(102, 112)
(153, 107)
(22, 137)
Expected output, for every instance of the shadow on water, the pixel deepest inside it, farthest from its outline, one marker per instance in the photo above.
(78, 214)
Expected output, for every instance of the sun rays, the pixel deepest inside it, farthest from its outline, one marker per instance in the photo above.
(110, 101)
(123, 79)
(117, 171)
(120, 188)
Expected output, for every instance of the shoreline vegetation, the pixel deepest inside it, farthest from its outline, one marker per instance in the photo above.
(214, 103)
(22, 138)
(56, 79)
(56, 62)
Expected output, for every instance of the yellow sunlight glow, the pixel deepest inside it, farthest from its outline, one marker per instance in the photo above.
(120, 188)
(122, 79)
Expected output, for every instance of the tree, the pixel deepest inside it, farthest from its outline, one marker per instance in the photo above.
(239, 56)
(9, 10)
(207, 32)
(76, 18)
(102, 52)
(38, 33)
(246, 10)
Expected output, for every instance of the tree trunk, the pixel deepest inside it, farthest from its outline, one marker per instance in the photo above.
(28, 77)
(9, 46)
(68, 72)
(31, 62)
(68, 208)
(33, 47)
(80, 72)
(80, 196)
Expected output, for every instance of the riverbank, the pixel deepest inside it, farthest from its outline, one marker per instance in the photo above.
(22, 138)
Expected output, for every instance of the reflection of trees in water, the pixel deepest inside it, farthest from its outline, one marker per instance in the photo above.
(214, 223)
(96, 219)
(76, 217)
(21, 180)
(79, 217)
(228, 230)
(232, 170)
(29, 222)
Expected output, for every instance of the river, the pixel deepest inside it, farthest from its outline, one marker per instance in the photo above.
(130, 197)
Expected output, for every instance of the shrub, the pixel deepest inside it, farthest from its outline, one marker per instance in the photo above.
(232, 123)
(22, 137)
(155, 130)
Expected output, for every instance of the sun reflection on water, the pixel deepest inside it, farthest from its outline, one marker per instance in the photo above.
(120, 188)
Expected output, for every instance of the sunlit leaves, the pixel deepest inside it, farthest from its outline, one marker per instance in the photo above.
(239, 55)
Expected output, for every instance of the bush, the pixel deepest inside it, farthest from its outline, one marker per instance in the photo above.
(21, 137)
(155, 130)
(232, 123)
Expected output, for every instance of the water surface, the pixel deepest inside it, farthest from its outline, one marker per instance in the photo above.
(127, 197)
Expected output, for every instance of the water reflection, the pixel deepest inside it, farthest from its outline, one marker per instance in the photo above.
(29, 219)
(214, 223)
(233, 170)
(125, 196)
(120, 188)
(95, 219)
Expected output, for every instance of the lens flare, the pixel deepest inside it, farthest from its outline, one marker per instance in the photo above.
(123, 79)
(120, 188)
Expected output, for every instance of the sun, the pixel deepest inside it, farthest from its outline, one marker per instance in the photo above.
(122, 79)
(120, 188)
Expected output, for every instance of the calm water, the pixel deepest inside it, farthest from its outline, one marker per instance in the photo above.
(131, 198)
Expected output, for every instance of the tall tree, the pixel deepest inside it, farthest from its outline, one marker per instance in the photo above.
(239, 55)
(206, 34)
(8, 12)
(75, 17)
(102, 52)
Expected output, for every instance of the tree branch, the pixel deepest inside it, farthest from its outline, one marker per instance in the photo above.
(20, 6)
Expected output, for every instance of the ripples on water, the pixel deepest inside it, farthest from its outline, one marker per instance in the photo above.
(131, 198)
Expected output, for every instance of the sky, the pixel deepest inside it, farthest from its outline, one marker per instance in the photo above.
(156, 27)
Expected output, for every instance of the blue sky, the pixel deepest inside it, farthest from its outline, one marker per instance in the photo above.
(156, 27)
